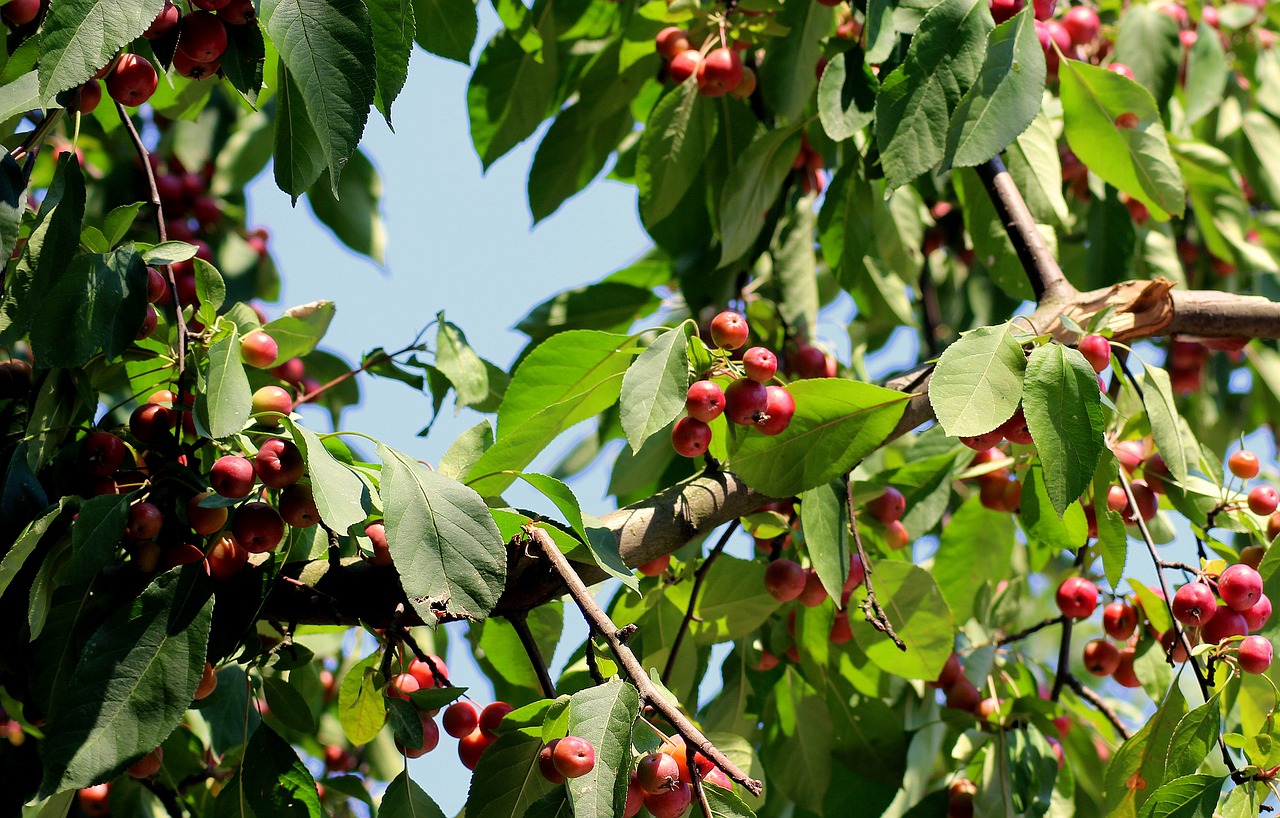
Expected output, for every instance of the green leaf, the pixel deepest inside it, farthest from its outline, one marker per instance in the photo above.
(511, 91)
(566, 379)
(920, 616)
(1135, 160)
(243, 61)
(1113, 540)
(1192, 796)
(974, 551)
(733, 601)
(843, 420)
(78, 37)
(13, 184)
(132, 684)
(463, 453)
(1207, 74)
(501, 655)
(847, 95)
(362, 709)
(1041, 519)
(554, 804)
(444, 544)
(1036, 168)
(353, 213)
(751, 189)
(977, 384)
(393, 32)
(211, 289)
(824, 516)
(1005, 96)
(20, 95)
(573, 152)
(95, 535)
(1166, 423)
(300, 328)
(602, 543)
(49, 249)
(1155, 608)
(446, 28)
(340, 495)
(299, 158)
(604, 716)
(224, 405)
(13, 560)
(673, 146)
(272, 782)
(917, 99)
(1063, 408)
(609, 306)
(797, 740)
(1147, 41)
(506, 781)
(460, 364)
(327, 47)
(1194, 739)
(96, 304)
(288, 705)
(169, 252)
(654, 387)
(405, 799)
(787, 78)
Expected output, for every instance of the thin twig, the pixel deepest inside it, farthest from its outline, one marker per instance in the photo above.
(154, 192)
(593, 663)
(1180, 566)
(695, 782)
(931, 311)
(871, 605)
(335, 550)
(370, 362)
(601, 622)
(1177, 626)
(393, 638)
(1064, 644)
(1091, 696)
(520, 622)
(1025, 632)
(699, 576)
(437, 674)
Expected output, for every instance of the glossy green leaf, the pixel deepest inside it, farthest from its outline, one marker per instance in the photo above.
(824, 516)
(1207, 74)
(243, 61)
(132, 683)
(78, 37)
(327, 46)
(511, 91)
(574, 151)
(22, 548)
(1063, 407)
(394, 28)
(1193, 739)
(446, 28)
(463, 453)
(444, 544)
(271, 783)
(1147, 41)
(95, 304)
(354, 213)
(1191, 796)
(1041, 519)
(362, 709)
(797, 740)
(1113, 539)
(603, 715)
(675, 143)
(733, 601)
(339, 494)
(919, 614)
(288, 705)
(842, 419)
(1136, 770)
(1166, 423)
(460, 364)
(978, 381)
(753, 184)
(1004, 98)
(917, 99)
(846, 95)
(405, 799)
(96, 534)
(224, 405)
(654, 387)
(299, 158)
(975, 549)
(566, 379)
(1136, 158)
(787, 78)
(507, 781)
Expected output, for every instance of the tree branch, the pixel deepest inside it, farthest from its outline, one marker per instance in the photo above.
(602, 624)
(1025, 632)
(520, 621)
(870, 606)
(699, 576)
(1091, 696)
(1033, 251)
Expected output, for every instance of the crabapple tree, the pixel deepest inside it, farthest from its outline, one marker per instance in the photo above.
(1026, 572)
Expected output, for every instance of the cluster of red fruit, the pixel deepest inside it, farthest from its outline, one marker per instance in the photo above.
(746, 401)
(660, 781)
(786, 580)
(257, 526)
(1244, 608)
(474, 728)
(719, 71)
(197, 39)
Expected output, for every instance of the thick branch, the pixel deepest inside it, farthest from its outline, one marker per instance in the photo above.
(1033, 251)
(601, 623)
